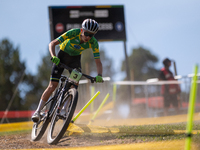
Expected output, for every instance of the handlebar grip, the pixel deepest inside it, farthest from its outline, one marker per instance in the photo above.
(92, 80)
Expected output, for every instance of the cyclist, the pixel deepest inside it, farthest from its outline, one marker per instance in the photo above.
(72, 43)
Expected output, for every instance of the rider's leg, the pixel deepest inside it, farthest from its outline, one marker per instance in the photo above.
(49, 90)
(45, 96)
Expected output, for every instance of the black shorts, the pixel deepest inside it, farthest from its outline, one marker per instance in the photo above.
(170, 99)
(71, 61)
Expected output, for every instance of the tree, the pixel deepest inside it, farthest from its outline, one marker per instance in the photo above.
(143, 64)
(11, 70)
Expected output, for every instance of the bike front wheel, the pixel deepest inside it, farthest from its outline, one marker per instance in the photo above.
(60, 121)
(40, 127)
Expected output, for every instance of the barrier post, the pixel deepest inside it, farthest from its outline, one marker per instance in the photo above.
(191, 109)
(82, 110)
(114, 92)
(92, 104)
(101, 105)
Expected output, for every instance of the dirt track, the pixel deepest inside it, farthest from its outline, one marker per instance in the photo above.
(23, 141)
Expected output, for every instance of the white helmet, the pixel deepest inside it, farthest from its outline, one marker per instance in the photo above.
(90, 25)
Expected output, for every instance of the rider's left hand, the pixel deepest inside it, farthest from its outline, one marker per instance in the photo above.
(99, 79)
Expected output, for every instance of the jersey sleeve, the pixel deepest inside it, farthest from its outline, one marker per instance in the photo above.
(95, 48)
(68, 35)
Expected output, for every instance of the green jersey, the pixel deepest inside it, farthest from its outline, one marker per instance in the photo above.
(70, 43)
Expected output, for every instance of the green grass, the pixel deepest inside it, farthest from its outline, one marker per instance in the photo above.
(15, 132)
(146, 133)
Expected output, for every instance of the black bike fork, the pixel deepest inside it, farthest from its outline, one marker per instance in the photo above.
(63, 91)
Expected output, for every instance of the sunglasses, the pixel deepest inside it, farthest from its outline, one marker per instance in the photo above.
(88, 34)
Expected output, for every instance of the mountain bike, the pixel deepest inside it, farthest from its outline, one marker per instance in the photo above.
(59, 110)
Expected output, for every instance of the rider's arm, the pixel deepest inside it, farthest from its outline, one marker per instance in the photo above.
(99, 66)
(95, 48)
(52, 45)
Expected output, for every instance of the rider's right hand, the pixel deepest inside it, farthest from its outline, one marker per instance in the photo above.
(55, 60)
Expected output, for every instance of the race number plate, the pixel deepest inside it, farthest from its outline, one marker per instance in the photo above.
(75, 75)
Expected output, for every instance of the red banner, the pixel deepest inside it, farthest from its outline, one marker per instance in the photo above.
(16, 114)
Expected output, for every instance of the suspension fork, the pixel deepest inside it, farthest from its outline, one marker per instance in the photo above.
(54, 98)
(63, 91)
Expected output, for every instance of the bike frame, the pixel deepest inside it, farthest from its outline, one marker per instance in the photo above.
(65, 89)
(54, 98)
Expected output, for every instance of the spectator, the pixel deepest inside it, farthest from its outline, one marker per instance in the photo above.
(170, 92)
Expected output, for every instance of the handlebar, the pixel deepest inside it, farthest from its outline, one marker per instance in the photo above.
(92, 79)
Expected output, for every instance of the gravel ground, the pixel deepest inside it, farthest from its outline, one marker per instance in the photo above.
(23, 141)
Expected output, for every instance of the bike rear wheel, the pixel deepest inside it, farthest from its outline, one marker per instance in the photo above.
(59, 122)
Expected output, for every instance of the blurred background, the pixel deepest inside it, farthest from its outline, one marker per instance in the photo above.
(154, 30)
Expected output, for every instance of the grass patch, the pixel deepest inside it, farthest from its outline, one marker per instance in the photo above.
(15, 132)
(145, 133)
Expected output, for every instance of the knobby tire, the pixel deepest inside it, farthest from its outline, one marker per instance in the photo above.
(54, 139)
